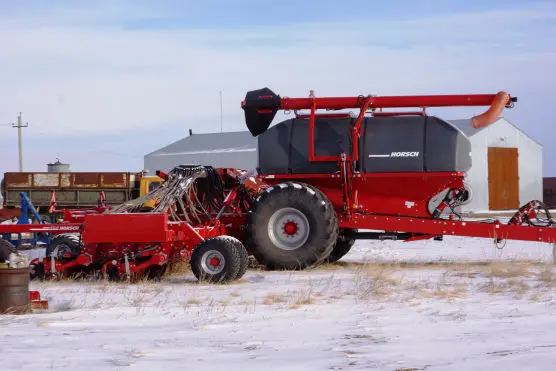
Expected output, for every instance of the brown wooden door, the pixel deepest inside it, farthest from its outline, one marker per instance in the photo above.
(503, 178)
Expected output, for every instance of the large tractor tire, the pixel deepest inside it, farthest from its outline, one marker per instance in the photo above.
(291, 226)
(63, 245)
(341, 248)
(219, 259)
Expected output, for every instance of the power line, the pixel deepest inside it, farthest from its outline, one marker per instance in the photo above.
(19, 145)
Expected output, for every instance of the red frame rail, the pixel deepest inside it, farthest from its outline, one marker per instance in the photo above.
(41, 228)
(433, 227)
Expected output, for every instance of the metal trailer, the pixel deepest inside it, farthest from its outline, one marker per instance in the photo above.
(73, 189)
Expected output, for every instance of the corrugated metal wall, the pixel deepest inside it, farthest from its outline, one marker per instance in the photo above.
(503, 134)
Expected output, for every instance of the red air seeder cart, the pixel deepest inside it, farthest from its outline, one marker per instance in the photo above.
(399, 174)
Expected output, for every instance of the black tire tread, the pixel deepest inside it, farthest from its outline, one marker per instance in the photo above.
(69, 239)
(227, 247)
(311, 195)
(244, 255)
(342, 247)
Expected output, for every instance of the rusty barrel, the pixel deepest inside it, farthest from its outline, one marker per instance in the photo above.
(14, 290)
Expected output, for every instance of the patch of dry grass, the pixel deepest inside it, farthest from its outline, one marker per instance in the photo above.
(546, 274)
(293, 299)
(519, 279)
(270, 299)
(193, 301)
(518, 286)
(509, 269)
(391, 280)
(513, 286)
(541, 295)
(495, 287)
(177, 268)
(377, 280)
(449, 293)
(303, 297)
(235, 294)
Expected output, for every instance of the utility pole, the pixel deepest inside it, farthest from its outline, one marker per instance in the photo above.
(19, 126)
(220, 110)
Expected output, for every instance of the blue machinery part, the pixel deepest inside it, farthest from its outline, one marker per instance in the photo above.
(27, 208)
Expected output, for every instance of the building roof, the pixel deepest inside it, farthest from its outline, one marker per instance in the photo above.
(235, 141)
(465, 126)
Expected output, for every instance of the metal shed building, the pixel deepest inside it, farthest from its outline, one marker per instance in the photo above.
(228, 149)
(506, 169)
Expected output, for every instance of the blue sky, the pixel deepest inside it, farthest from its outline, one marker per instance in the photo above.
(103, 83)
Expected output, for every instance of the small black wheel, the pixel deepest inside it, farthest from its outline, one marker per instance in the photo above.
(217, 259)
(111, 274)
(244, 256)
(37, 271)
(342, 247)
(156, 272)
(291, 226)
(62, 245)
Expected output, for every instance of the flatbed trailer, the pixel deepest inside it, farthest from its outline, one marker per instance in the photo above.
(73, 190)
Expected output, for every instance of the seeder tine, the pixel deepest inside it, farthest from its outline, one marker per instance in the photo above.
(188, 170)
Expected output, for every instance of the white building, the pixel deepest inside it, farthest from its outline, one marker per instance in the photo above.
(506, 169)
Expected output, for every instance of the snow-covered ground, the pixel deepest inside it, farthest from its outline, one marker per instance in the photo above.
(457, 304)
